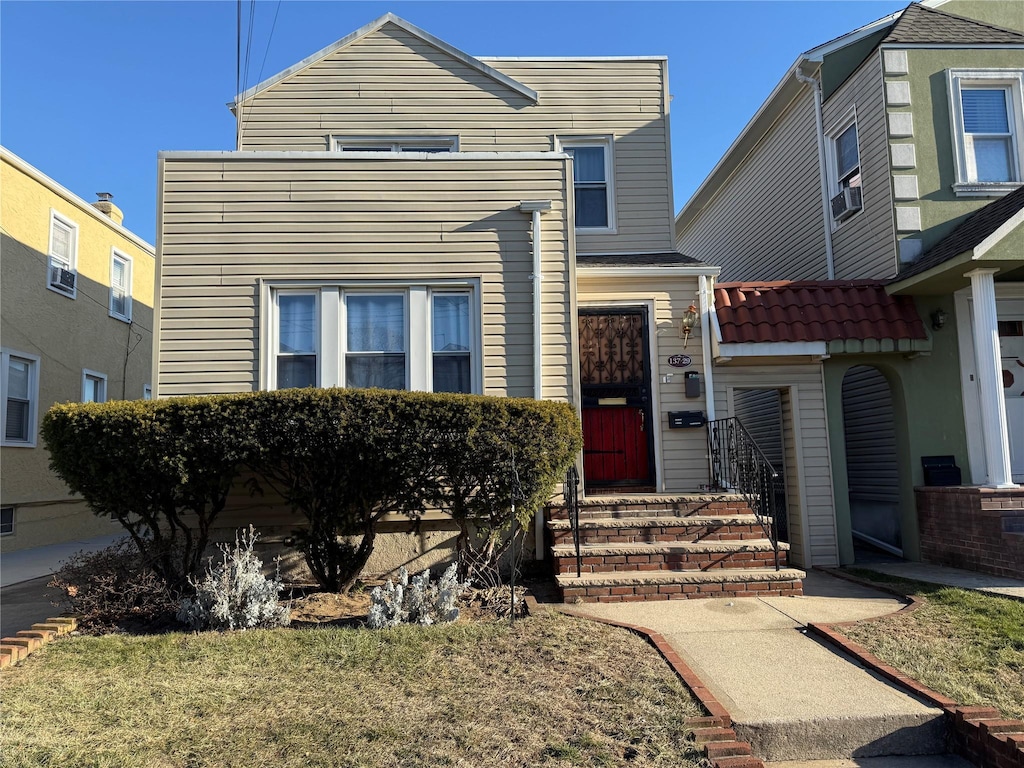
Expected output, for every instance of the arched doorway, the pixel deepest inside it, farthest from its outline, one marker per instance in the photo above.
(872, 464)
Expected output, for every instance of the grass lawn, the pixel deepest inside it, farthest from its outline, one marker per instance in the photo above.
(966, 645)
(551, 690)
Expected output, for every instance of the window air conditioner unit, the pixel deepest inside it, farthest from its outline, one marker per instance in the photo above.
(62, 279)
(846, 203)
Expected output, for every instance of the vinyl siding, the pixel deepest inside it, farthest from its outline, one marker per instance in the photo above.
(808, 472)
(870, 428)
(864, 245)
(682, 453)
(227, 223)
(760, 411)
(391, 83)
(765, 223)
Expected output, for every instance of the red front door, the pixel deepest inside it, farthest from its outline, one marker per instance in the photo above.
(616, 386)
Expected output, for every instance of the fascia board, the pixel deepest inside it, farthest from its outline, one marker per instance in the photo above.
(688, 270)
(773, 349)
(373, 26)
(446, 157)
(820, 52)
(1002, 231)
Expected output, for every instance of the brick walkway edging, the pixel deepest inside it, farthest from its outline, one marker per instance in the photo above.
(979, 734)
(713, 732)
(26, 641)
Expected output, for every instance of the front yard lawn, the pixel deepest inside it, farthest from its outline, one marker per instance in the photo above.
(964, 644)
(550, 690)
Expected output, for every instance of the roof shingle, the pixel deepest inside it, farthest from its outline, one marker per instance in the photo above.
(919, 24)
(820, 310)
(666, 259)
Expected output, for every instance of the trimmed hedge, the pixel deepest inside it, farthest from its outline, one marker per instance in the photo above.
(341, 458)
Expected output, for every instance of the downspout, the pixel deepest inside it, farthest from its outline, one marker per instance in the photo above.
(822, 173)
(709, 321)
(537, 207)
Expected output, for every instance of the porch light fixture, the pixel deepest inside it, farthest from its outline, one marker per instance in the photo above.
(688, 322)
(939, 317)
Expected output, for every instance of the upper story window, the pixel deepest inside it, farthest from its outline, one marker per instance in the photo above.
(94, 387)
(61, 274)
(843, 165)
(420, 337)
(19, 378)
(395, 143)
(592, 182)
(987, 116)
(120, 286)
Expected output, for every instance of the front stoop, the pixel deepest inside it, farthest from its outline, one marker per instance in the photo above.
(676, 547)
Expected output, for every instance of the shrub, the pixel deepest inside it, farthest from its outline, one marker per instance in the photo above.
(417, 601)
(235, 594)
(114, 589)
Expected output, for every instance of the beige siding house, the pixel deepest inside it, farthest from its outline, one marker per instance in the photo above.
(884, 172)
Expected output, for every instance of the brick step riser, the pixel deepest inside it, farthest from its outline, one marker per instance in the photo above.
(675, 562)
(590, 513)
(648, 592)
(690, 533)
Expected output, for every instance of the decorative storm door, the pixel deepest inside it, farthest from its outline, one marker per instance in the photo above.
(616, 386)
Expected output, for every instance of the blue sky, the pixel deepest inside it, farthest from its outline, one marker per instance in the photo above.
(90, 91)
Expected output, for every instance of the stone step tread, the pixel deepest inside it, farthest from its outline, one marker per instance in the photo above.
(657, 521)
(667, 576)
(668, 548)
(656, 498)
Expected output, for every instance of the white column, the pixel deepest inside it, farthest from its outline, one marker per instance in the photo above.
(990, 379)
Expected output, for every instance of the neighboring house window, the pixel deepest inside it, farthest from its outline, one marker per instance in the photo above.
(406, 337)
(120, 286)
(395, 144)
(94, 387)
(147, 392)
(844, 169)
(61, 274)
(6, 521)
(987, 115)
(592, 181)
(20, 398)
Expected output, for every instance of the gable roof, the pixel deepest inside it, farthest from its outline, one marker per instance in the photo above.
(919, 24)
(970, 233)
(814, 310)
(373, 26)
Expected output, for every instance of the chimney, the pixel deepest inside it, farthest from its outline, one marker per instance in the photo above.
(106, 205)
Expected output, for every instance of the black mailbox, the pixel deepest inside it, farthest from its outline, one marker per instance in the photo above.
(940, 470)
(685, 419)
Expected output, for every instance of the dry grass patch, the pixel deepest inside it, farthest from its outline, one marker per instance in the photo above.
(964, 644)
(550, 690)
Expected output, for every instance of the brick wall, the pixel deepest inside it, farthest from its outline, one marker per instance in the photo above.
(979, 529)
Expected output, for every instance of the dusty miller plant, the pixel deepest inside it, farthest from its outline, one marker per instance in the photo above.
(416, 600)
(235, 594)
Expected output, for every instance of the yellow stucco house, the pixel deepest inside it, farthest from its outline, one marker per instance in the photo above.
(76, 318)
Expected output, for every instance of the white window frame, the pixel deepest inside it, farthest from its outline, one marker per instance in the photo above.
(33, 391)
(1012, 81)
(333, 336)
(393, 143)
(835, 184)
(13, 520)
(115, 256)
(72, 266)
(606, 143)
(88, 375)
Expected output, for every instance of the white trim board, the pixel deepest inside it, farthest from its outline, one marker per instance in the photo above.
(243, 156)
(773, 349)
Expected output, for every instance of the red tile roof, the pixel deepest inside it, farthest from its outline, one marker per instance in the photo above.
(814, 310)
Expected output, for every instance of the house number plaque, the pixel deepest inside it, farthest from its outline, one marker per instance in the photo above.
(679, 361)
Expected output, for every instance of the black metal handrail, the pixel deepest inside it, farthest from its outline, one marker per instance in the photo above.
(740, 466)
(571, 492)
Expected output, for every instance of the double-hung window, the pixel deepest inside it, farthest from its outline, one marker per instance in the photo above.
(94, 387)
(987, 116)
(843, 166)
(120, 286)
(20, 398)
(592, 181)
(61, 270)
(421, 337)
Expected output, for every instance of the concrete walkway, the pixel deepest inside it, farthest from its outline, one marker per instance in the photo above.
(790, 696)
(27, 564)
(952, 577)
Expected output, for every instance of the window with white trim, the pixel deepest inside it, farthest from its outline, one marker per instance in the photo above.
(62, 275)
(987, 116)
(20, 384)
(6, 521)
(592, 181)
(94, 387)
(395, 143)
(147, 392)
(843, 169)
(120, 285)
(421, 337)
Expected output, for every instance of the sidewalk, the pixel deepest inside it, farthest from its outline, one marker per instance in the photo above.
(952, 577)
(27, 564)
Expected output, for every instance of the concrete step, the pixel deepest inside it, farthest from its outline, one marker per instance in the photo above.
(682, 555)
(677, 505)
(667, 584)
(919, 761)
(645, 530)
